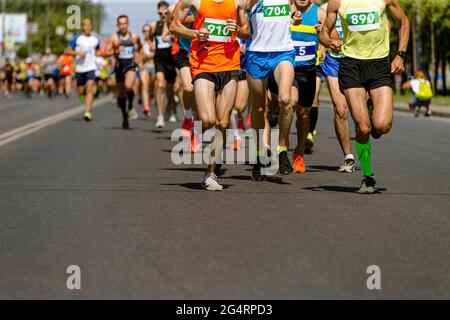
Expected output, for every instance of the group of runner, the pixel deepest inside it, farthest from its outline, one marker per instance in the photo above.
(221, 57)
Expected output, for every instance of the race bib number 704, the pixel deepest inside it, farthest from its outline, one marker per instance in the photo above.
(366, 19)
(275, 10)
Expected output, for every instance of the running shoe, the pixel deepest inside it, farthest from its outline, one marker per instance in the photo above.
(173, 118)
(186, 127)
(348, 166)
(315, 132)
(87, 116)
(299, 163)
(210, 183)
(160, 122)
(428, 113)
(146, 111)
(249, 121)
(125, 124)
(241, 123)
(373, 132)
(309, 143)
(133, 114)
(285, 166)
(236, 144)
(367, 186)
(256, 171)
(195, 145)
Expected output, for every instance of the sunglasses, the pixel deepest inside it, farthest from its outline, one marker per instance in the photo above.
(163, 13)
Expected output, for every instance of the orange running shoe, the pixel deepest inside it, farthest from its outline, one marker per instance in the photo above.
(195, 146)
(146, 111)
(249, 121)
(236, 144)
(186, 128)
(299, 163)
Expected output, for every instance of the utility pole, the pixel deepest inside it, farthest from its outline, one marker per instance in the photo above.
(47, 25)
(30, 21)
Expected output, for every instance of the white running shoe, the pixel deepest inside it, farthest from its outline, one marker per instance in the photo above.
(160, 122)
(173, 118)
(210, 183)
(133, 114)
(348, 166)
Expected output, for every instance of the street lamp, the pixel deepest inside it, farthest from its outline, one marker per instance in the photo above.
(3, 27)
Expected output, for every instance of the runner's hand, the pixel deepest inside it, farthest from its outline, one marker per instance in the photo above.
(318, 27)
(232, 25)
(397, 66)
(335, 45)
(82, 54)
(203, 34)
(297, 18)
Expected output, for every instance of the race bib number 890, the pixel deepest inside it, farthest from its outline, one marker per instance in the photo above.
(363, 19)
(218, 30)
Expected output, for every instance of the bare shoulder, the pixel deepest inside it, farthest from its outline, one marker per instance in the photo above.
(333, 5)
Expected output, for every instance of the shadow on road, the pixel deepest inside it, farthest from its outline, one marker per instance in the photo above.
(117, 128)
(193, 186)
(341, 189)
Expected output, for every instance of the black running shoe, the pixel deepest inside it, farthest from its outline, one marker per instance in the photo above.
(367, 186)
(256, 171)
(125, 124)
(285, 166)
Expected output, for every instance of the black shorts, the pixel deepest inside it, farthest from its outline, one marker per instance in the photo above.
(367, 74)
(50, 76)
(220, 79)
(242, 76)
(304, 81)
(181, 59)
(320, 73)
(122, 68)
(166, 66)
(84, 77)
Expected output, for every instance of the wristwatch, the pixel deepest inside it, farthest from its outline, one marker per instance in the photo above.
(402, 54)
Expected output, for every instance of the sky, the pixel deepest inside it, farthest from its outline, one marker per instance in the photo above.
(139, 12)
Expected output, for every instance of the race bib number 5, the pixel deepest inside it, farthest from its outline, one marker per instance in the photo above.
(218, 30)
(366, 19)
(275, 10)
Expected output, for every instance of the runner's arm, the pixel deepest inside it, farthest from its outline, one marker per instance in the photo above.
(397, 65)
(325, 38)
(110, 47)
(179, 14)
(243, 27)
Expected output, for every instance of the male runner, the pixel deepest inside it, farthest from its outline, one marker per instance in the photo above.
(126, 47)
(366, 69)
(49, 66)
(164, 65)
(85, 47)
(215, 64)
(330, 69)
(8, 70)
(66, 66)
(270, 50)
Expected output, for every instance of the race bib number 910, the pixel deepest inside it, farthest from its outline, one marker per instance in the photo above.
(218, 30)
(275, 10)
(366, 19)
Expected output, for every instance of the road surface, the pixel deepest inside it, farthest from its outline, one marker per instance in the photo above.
(111, 202)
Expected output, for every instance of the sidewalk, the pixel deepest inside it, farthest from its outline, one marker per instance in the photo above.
(437, 111)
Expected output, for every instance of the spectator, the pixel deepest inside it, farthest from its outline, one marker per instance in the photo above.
(422, 91)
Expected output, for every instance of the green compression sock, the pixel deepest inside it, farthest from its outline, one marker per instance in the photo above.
(364, 155)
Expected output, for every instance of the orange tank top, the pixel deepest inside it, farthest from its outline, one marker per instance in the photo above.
(221, 52)
(66, 65)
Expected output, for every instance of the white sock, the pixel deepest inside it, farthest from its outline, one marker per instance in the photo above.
(349, 156)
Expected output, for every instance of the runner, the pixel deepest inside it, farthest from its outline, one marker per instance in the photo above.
(66, 65)
(330, 69)
(365, 68)
(270, 51)
(125, 46)
(215, 64)
(49, 66)
(85, 47)
(181, 59)
(148, 70)
(8, 70)
(164, 65)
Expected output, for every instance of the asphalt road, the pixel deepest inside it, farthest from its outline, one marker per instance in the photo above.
(138, 226)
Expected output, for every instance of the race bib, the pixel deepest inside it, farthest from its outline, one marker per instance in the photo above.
(366, 19)
(127, 53)
(305, 51)
(218, 30)
(276, 10)
(161, 44)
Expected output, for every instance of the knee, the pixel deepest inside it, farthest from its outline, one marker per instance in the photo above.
(341, 113)
(207, 123)
(222, 124)
(382, 126)
(284, 99)
(188, 88)
(363, 129)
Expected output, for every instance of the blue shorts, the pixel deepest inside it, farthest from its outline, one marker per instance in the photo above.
(330, 66)
(261, 64)
(84, 77)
